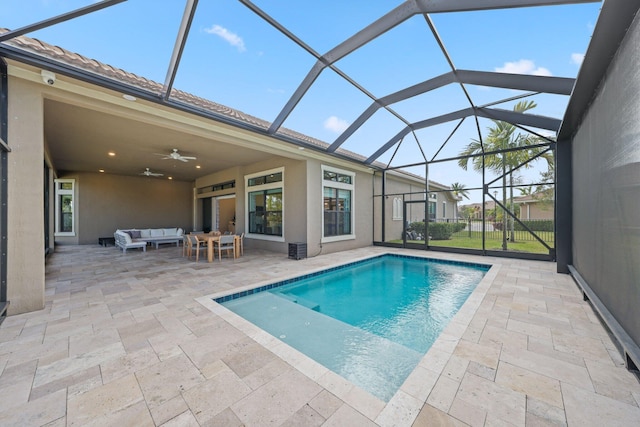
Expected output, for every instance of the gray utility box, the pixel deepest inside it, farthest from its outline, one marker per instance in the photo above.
(297, 250)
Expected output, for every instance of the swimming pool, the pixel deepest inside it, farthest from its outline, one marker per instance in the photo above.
(370, 321)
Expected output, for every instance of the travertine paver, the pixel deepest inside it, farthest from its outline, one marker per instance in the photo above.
(132, 340)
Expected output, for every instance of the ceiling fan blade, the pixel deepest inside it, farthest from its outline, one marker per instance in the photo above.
(182, 159)
(188, 158)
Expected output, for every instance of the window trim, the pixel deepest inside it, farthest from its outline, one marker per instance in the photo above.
(396, 212)
(267, 186)
(341, 186)
(60, 192)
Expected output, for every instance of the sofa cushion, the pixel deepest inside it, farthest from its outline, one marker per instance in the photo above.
(127, 237)
(179, 232)
(170, 231)
(144, 233)
(135, 234)
(157, 232)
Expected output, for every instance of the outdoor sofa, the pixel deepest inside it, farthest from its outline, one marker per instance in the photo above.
(138, 238)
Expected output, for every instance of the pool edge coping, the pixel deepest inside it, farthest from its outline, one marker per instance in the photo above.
(404, 407)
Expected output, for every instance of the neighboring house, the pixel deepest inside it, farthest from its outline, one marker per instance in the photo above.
(534, 206)
(476, 208)
(405, 195)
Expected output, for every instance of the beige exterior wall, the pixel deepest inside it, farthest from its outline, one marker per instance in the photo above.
(362, 210)
(107, 202)
(303, 204)
(295, 193)
(25, 216)
(536, 210)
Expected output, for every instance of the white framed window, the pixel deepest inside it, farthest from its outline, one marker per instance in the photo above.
(65, 207)
(338, 194)
(264, 192)
(397, 209)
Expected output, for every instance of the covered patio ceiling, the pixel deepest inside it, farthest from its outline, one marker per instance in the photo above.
(393, 115)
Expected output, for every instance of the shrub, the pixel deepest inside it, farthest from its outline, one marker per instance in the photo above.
(418, 227)
(458, 226)
(440, 230)
(535, 225)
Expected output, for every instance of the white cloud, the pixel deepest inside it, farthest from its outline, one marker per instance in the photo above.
(231, 38)
(577, 58)
(523, 66)
(335, 124)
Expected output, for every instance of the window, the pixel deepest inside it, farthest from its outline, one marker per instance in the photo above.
(338, 193)
(432, 211)
(265, 203)
(217, 187)
(397, 209)
(65, 220)
(444, 209)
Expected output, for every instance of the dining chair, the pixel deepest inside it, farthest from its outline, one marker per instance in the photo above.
(227, 242)
(241, 243)
(196, 245)
(186, 246)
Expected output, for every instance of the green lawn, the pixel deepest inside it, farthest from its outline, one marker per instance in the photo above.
(462, 240)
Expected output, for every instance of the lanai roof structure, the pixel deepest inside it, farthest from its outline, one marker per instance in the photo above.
(395, 116)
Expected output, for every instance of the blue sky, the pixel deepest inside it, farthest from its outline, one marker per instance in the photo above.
(236, 59)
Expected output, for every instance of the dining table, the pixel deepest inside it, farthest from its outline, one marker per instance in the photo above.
(211, 239)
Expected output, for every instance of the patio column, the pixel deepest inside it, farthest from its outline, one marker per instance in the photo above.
(25, 187)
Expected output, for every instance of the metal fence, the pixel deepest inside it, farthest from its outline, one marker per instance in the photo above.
(514, 230)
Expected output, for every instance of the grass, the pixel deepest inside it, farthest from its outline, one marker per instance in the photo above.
(462, 240)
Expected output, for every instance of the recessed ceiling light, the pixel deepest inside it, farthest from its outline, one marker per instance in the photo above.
(111, 153)
(170, 177)
(197, 166)
(129, 97)
(101, 170)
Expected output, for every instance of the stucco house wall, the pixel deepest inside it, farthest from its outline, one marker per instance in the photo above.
(25, 213)
(106, 202)
(536, 210)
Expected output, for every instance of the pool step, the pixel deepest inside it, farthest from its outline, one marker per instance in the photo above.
(301, 301)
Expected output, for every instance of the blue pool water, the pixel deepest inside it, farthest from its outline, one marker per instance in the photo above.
(370, 321)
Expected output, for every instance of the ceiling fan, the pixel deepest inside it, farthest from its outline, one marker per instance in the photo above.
(147, 172)
(174, 155)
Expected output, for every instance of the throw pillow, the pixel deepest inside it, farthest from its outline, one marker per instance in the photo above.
(128, 232)
(135, 234)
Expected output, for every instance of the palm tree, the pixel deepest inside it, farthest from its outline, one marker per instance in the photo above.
(526, 191)
(503, 136)
(459, 191)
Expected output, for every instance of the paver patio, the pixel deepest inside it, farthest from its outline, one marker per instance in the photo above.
(132, 340)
